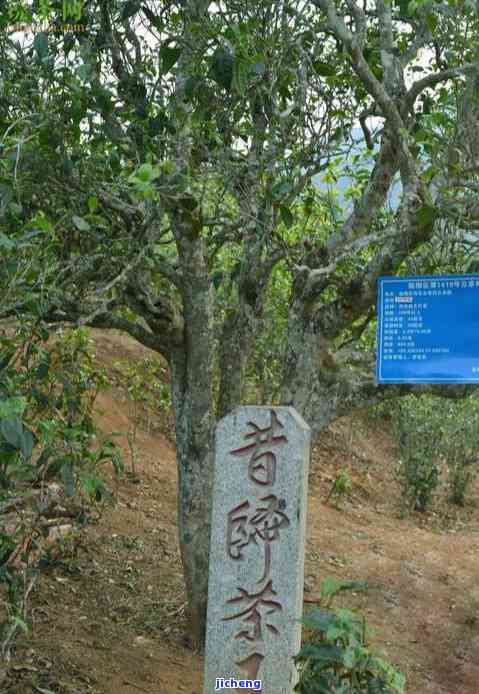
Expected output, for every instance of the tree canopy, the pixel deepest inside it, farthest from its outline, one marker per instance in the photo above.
(158, 175)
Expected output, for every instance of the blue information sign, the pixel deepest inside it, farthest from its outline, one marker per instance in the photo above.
(428, 329)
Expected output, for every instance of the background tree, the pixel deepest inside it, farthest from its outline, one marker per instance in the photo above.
(157, 177)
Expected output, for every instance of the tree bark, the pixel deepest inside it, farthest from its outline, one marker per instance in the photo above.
(308, 382)
(195, 460)
(193, 403)
(239, 332)
(241, 329)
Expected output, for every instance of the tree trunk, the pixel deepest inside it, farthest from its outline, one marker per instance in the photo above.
(309, 382)
(193, 404)
(195, 459)
(237, 340)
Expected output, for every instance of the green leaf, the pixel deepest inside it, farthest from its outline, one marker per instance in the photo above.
(280, 189)
(319, 619)
(431, 172)
(412, 7)
(355, 585)
(130, 8)
(222, 68)
(11, 268)
(12, 407)
(431, 21)
(80, 223)
(145, 174)
(40, 44)
(43, 368)
(217, 278)
(334, 632)
(440, 118)
(192, 85)
(422, 135)
(16, 209)
(27, 443)
(349, 658)
(20, 624)
(330, 587)
(398, 682)
(84, 71)
(322, 653)
(403, 7)
(426, 215)
(114, 162)
(168, 57)
(93, 486)
(156, 125)
(68, 42)
(241, 69)
(6, 243)
(104, 99)
(12, 431)
(40, 397)
(92, 203)
(6, 194)
(5, 357)
(324, 69)
(156, 21)
(286, 216)
(67, 166)
(49, 137)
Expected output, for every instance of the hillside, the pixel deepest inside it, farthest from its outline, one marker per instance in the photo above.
(109, 616)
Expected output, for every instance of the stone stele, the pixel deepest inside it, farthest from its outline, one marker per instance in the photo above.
(256, 573)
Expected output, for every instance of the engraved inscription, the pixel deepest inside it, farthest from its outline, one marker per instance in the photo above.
(263, 525)
(252, 615)
(260, 523)
(262, 463)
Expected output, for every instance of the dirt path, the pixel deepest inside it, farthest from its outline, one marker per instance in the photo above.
(109, 619)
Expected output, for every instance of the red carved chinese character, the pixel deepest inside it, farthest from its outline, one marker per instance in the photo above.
(268, 521)
(263, 473)
(237, 533)
(265, 524)
(251, 614)
(251, 665)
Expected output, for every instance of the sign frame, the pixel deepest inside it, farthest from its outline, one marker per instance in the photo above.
(399, 378)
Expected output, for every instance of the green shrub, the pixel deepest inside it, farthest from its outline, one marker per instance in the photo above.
(341, 487)
(336, 659)
(459, 447)
(433, 433)
(418, 431)
(419, 477)
(145, 385)
(47, 393)
(460, 478)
